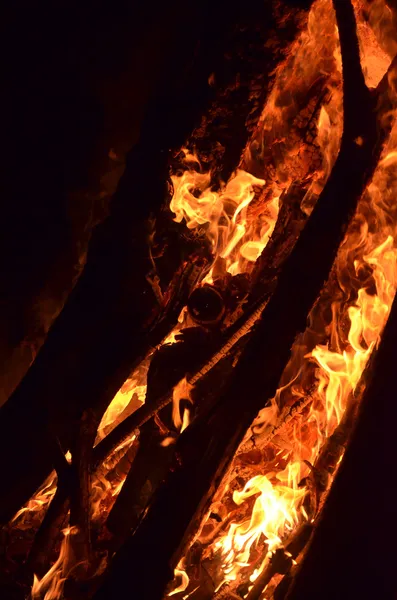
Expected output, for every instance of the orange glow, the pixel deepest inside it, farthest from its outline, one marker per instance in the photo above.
(237, 218)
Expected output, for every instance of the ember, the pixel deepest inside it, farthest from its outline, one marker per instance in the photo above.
(233, 427)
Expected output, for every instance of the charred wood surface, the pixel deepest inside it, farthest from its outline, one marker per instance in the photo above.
(206, 448)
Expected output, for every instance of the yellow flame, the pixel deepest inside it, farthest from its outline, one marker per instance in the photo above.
(179, 572)
(50, 587)
(119, 403)
(232, 234)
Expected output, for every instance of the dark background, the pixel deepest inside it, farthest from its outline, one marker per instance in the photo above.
(77, 78)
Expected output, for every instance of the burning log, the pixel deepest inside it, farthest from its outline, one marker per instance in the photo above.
(55, 516)
(354, 508)
(206, 448)
(281, 561)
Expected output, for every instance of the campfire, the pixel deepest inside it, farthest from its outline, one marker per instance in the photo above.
(269, 282)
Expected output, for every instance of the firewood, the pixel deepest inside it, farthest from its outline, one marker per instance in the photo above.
(55, 516)
(206, 448)
(148, 470)
(37, 417)
(322, 472)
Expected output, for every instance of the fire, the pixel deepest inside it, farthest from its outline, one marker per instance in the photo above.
(237, 218)
(233, 233)
(119, 404)
(37, 504)
(50, 587)
(278, 508)
(274, 513)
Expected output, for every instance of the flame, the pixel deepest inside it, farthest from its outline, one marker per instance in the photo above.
(278, 509)
(179, 572)
(274, 513)
(230, 231)
(118, 405)
(181, 392)
(50, 587)
(37, 504)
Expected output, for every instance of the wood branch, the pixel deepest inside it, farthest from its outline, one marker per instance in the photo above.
(148, 470)
(48, 532)
(327, 462)
(290, 222)
(268, 433)
(206, 449)
(119, 365)
(322, 471)
(92, 347)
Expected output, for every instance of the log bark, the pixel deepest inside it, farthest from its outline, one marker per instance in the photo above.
(206, 448)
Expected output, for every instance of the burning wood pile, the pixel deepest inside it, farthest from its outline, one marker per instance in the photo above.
(267, 285)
